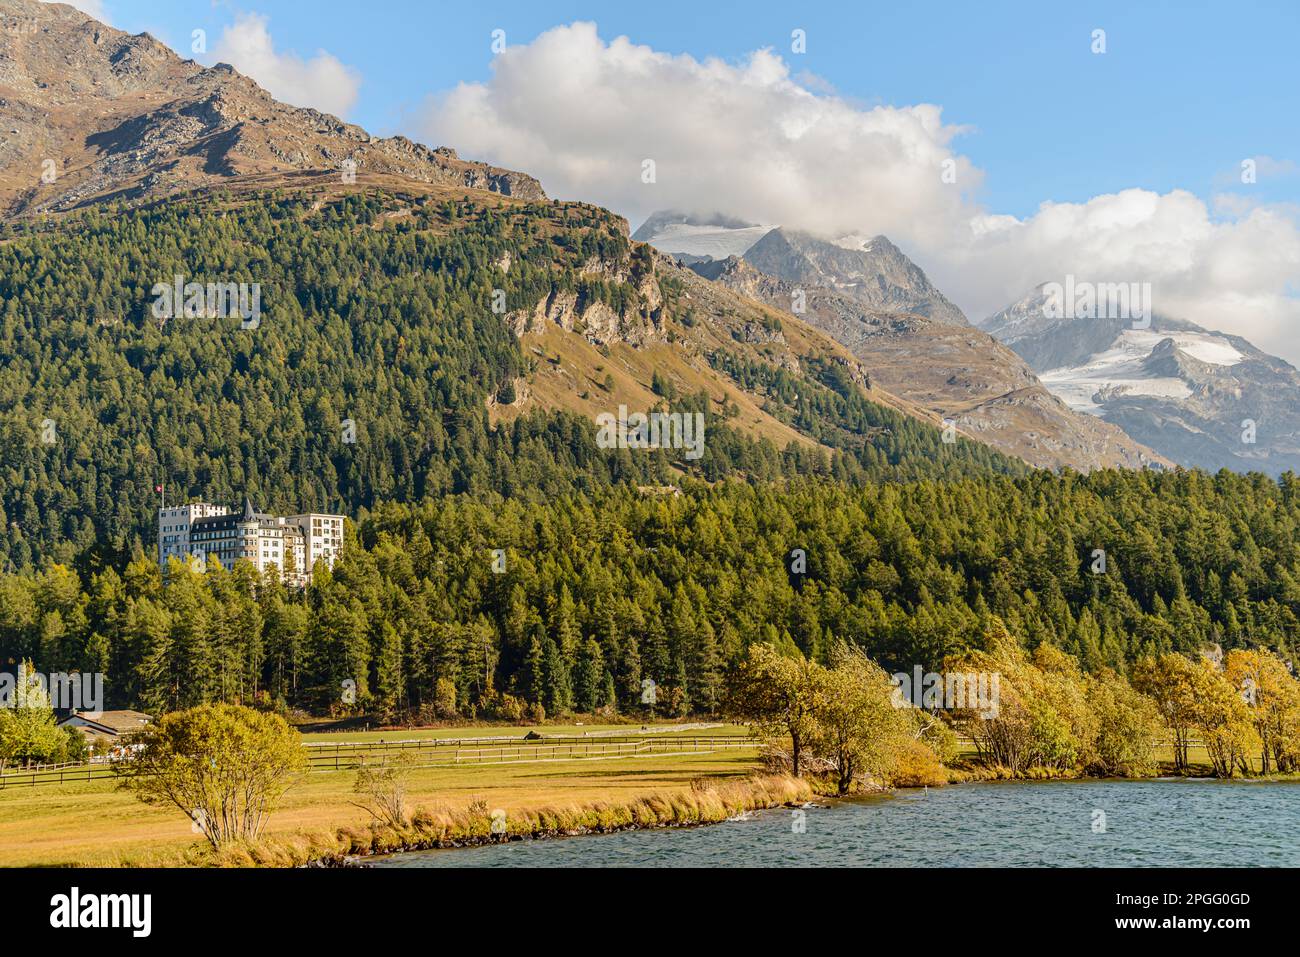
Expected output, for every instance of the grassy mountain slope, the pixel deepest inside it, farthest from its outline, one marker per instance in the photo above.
(378, 322)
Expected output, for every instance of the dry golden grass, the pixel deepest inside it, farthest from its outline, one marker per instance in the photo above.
(93, 824)
(574, 383)
(706, 801)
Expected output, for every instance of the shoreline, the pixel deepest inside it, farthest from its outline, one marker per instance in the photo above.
(818, 801)
(708, 803)
(359, 857)
(364, 861)
(608, 799)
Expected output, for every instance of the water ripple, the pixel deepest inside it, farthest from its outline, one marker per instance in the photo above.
(1057, 824)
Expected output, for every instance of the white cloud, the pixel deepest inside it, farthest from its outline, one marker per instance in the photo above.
(321, 82)
(91, 8)
(583, 115)
(1229, 275)
(750, 140)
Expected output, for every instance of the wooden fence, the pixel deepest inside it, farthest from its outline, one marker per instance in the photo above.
(65, 774)
(428, 752)
(445, 752)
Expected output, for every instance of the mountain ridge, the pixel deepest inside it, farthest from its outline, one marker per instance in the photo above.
(912, 340)
(88, 112)
(959, 373)
(1201, 398)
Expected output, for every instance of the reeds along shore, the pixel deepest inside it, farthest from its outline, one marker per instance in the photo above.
(707, 802)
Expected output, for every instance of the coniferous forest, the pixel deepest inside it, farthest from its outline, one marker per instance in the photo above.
(520, 570)
(391, 329)
(597, 592)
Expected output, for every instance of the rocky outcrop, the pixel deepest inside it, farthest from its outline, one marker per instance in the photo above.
(598, 322)
(956, 372)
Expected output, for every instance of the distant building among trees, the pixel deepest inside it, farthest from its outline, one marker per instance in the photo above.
(291, 543)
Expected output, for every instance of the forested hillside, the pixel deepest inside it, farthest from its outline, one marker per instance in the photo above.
(496, 568)
(597, 593)
(376, 309)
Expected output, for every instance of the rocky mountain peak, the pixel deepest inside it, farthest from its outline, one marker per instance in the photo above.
(873, 271)
(90, 112)
(876, 272)
(1183, 390)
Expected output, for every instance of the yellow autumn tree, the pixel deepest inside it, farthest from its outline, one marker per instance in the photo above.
(1272, 696)
(1171, 681)
(1223, 721)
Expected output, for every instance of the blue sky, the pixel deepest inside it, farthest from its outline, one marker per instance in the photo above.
(1183, 93)
(1123, 166)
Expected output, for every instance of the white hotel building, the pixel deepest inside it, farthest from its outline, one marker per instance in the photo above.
(292, 543)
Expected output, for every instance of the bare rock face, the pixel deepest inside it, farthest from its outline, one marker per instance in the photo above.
(88, 112)
(558, 308)
(874, 272)
(596, 321)
(601, 324)
(955, 371)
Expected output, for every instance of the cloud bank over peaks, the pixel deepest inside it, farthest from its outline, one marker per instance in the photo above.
(755, 141)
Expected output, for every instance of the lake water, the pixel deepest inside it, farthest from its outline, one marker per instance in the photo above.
(1051, 824)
